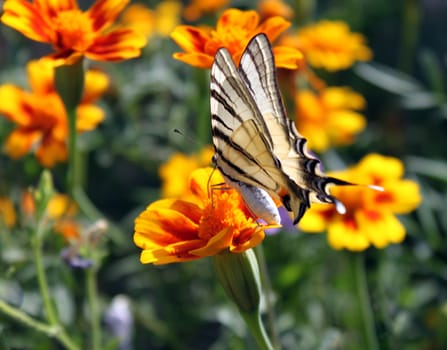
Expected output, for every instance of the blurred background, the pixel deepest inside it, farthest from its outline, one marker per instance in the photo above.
(182, 306)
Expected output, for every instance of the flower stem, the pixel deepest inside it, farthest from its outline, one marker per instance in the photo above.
(365, 304)
(36, 243)
(72, 150)
(53, 331)
(266, 288)
(92, 295)
(254, 323)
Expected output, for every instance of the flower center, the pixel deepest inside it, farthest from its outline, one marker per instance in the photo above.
(75, 30)
(223, 212)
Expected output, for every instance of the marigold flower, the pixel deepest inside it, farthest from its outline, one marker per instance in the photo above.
(40, 114)
(8, 215)
(370, 218)
(160, 21)
(271, 8)
(74, 32)
(329, 118)
(199, 8)
(330, 45)
(234, 30)
(175, 172)
(198, 225)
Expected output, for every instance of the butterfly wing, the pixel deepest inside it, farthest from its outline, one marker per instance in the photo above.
(257, 70)
(243, 146)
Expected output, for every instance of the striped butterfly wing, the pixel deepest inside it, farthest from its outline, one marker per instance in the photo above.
(257, 70)
(243, 146)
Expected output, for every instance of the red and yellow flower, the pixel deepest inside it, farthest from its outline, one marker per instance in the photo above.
(194, 226)
(329, 117)
(175, 172)
(40, 114)
(73, 32)
(370, 218)
(234, 30)
(330, 45)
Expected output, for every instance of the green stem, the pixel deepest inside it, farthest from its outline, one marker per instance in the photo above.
(365, 304)
(267, 288)
(72, 166)
(36, 243)
(92, 295)
(257, 330)
(52, 331)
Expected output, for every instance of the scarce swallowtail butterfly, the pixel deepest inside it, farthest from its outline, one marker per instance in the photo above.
(258, 148)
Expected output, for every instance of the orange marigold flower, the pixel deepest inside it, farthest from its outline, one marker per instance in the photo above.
(40, 114)
(234, 30)
(370, 218)
(330, 45)
(8, 215)
(199, 8)
(329, 118)
(196, 226)
(271, 8)
(161, 21)
(73, 32)
(175, 172)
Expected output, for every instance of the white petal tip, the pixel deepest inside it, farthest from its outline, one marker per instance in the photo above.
(341, 209)
(376, 188)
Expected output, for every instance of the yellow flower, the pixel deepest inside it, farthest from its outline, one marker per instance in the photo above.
(73, 32)
(7, 213)
(329, 118)
(40, 114)
(199, 8)
(330, 45)
(234, 30)
(162, 20)
(176, 171)
(271, 8)
(370, 218)
(196, 226)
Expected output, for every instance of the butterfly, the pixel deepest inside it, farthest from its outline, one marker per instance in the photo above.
(258, 149)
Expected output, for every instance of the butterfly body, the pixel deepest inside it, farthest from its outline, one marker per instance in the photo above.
(256, 144)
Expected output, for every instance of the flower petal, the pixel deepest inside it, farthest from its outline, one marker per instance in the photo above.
(199, 60)
(117, 45)
(288, 57)
(273, 27)
(96, 84)
(104, 12)
(26, 18)
(51, 151)
(17, 108)
(88, 117)
(191, 39)
(20, 142)
(234, 18)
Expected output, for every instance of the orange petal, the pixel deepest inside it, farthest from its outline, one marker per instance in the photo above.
(216, 244)
(199, 60)
(15, 106)
(234, 18)
(273, 27)
(96, 84)
(288, 57)
(88, 117)
(51, 151)
(104, 12)
(20, 142)
(27, 18)
(254, 237)
(170, 254)
(117, 45)
(52, 7)
(190, 39)
(41, 75)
